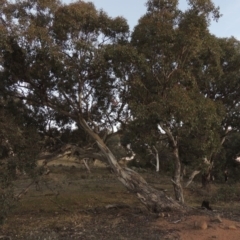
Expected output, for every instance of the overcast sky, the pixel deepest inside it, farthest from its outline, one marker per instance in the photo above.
(227, 26)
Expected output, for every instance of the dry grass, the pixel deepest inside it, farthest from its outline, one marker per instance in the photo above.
(69, 203)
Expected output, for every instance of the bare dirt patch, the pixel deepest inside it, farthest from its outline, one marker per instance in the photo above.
(199, 227)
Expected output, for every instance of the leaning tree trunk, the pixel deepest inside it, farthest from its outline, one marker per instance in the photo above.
(192, 176)
(154, 200)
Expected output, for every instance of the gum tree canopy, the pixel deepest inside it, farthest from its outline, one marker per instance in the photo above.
(74, 60)
(178, 55)
(78, 62)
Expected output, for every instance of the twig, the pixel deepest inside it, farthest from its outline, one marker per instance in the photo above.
(177, 221)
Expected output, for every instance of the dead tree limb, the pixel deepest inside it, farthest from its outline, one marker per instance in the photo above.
(194, 173)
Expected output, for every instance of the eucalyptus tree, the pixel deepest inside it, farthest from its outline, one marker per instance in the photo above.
(165, 90)
(74, 60)
(217, 75)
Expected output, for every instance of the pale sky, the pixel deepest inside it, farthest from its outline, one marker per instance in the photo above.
(227, 26)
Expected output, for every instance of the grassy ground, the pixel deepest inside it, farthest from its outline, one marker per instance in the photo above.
(69, 203)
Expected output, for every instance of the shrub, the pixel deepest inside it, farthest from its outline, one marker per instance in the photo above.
(227, 193)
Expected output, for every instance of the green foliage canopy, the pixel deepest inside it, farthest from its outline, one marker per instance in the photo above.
(178, 57)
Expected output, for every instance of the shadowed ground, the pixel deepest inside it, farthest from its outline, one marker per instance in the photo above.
(69, 203)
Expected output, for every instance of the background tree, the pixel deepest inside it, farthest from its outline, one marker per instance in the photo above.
(226, 159)
(165, 89)
(220, 82)
(19, 147)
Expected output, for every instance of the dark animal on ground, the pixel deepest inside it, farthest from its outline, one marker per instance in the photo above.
(205, 204)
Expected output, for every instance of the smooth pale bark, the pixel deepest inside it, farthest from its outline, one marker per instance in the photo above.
(86, 165)
(192, 176)
(154, 200)
(157, 159)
